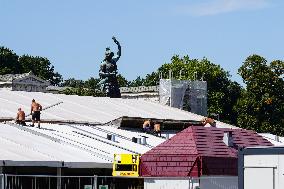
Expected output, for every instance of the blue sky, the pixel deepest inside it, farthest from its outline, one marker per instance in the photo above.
(73, 34)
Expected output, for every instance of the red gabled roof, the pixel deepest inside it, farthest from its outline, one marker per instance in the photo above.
(198, 150)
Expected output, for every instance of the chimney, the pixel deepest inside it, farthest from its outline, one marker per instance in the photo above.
(228, 138)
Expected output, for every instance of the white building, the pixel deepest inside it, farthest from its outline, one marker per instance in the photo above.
(261, 168)
(23, 82)
(150, 93)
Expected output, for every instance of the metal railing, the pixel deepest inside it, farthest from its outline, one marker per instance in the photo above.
(9, 181)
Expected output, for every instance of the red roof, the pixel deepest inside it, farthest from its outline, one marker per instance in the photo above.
(198, 151)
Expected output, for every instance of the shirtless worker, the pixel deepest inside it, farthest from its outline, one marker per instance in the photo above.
(157, 129)
(147, 126)
(209, 120)
(35, 112)
(20, 119)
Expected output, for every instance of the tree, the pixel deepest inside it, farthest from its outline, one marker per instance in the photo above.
(90, 87)
(261, 106)
(122, 81)
(137, 82)
(9, 62)
(151, 79)
(92, 83)
(222, 92)
(80, 91)
(41, 67)
(72, 82)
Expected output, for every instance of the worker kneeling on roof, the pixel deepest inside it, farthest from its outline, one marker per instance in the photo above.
(147, 126)
(20, 118)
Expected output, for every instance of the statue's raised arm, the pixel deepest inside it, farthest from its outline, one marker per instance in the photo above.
(116, 58)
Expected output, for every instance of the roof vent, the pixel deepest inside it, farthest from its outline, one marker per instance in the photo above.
(228, 138)
(144, 140)
(167, 136)
(113, 138)
(134, 139)
(108, 136)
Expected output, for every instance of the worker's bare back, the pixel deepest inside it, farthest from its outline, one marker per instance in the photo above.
(36, 107)
(21, 115)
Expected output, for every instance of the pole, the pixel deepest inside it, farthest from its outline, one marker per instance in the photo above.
(47, 107)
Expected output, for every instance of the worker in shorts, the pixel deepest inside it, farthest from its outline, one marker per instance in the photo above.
(35, 112)
(20, 118)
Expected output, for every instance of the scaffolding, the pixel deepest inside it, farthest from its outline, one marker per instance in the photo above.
(184, 94)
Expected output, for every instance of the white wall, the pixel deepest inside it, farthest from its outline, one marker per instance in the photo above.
(222, 182)
(264, 171)
(167, 183)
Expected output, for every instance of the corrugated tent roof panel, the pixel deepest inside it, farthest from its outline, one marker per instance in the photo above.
(20, 153)
(91, 109)
(41, 146)
(92, 140)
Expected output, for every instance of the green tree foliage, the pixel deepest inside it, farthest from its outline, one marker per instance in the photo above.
(90, 87)
(261, 106)
(11, 63)
(41, 67)
(80, 91)
(137, 82)
(72, 82)
(151, 79)
(122, 81)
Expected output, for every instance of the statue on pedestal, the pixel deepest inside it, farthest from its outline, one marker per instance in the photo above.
(108, 71)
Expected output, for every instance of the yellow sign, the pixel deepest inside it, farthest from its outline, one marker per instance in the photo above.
(126, 165)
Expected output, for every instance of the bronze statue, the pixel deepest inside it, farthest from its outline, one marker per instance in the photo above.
(108, 71)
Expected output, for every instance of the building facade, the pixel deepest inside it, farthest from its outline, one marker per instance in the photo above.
(183, 94)
(150, 93)
(23, 82)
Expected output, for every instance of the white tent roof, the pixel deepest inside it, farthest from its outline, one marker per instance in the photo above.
(67, 145)
(275, 140)
(91, 109)
(78, 145)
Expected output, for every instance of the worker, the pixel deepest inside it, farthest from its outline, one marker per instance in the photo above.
(20, 118)
(35, 112)
(157, 129)
(209, 120)
(147, 126)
